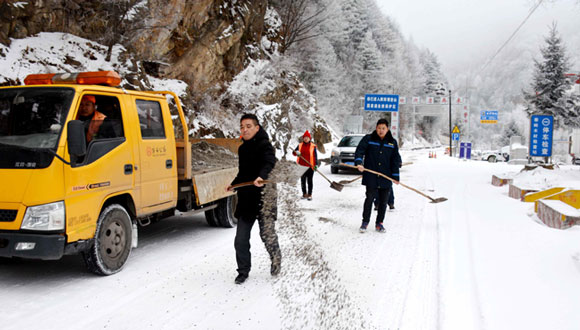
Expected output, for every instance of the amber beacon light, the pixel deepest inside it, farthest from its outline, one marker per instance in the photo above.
(107, 78)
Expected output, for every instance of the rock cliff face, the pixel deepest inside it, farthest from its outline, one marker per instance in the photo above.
(202, 42)
(205, 43)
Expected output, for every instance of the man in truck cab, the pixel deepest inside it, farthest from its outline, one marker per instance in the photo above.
(97, 126)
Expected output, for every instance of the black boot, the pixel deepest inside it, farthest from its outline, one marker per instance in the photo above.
(241, 278)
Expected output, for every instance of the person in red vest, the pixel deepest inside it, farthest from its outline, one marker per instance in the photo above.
(93, 120)
(307, 150)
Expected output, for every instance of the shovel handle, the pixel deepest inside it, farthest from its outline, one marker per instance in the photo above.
(307, 162)
(392, 180)
(249, 183)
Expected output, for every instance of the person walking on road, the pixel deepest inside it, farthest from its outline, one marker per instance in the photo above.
(381, 154)
(307, 149)
(256, 161)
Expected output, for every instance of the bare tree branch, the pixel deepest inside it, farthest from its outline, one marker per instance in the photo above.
(298, 20)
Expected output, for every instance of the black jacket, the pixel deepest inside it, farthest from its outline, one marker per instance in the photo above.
(380, 156)
(256, 159)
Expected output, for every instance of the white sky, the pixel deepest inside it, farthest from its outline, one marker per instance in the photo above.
(462, 31)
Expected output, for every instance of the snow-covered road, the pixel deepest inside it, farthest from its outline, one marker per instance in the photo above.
(477, 261)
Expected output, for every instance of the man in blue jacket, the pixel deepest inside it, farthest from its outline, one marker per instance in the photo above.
(381, 154)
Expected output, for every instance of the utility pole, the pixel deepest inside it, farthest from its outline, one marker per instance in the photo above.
(450, 134)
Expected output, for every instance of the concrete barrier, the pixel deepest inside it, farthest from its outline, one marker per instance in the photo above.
(500, 180)
(518, 192)
(557, 214)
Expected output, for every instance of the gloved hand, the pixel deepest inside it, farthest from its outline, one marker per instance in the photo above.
(316, 167)
(297, 152)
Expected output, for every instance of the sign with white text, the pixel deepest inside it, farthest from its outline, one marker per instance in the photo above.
(381, 102)
(541, 131)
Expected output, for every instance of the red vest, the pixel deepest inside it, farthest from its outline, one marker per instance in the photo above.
(308, 154)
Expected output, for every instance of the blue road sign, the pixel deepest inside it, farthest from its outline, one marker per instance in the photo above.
(465, 150)
(489, 117)
(541, 131)
(382, 102)
(455, 136)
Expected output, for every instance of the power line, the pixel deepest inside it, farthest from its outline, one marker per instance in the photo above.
(511, 37)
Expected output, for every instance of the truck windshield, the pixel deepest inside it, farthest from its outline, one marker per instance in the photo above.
(350, 141)
(31, 121)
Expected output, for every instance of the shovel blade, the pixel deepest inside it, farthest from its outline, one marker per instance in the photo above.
(336, 186)
(438, 200)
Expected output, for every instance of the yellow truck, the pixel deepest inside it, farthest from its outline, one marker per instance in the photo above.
(68, 188)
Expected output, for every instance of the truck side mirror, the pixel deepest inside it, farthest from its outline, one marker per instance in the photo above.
(76, 139)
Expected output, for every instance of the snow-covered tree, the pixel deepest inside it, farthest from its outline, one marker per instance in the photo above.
(434, 79)
(551, 88)
(355, 12)
(511, 129)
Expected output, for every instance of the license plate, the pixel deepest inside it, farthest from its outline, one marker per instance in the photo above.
(349, 163)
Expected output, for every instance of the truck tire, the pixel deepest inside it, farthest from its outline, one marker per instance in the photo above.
(334, 170)
(112, 243)
(224, 213)
(492, 159)
(211, 218)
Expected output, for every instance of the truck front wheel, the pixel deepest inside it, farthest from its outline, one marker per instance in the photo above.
(112, 243)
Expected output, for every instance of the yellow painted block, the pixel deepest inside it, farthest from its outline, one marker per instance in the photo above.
(570, 197)
(532, 197)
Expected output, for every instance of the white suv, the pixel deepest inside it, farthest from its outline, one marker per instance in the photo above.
(344, 152)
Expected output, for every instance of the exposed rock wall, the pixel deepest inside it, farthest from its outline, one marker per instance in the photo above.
(205, 43)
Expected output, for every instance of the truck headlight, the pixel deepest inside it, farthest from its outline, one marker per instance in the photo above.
(44, 217)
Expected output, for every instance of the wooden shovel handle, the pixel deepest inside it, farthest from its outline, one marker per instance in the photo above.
(249, 183)
(392, 180)
(307, 162)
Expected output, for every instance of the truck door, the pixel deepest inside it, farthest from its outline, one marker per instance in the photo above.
(158, 168)
(106, 169)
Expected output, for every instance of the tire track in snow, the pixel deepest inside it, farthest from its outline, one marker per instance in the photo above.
(475, 297)
(422, 296)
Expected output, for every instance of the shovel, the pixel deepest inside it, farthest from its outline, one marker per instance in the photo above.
(334, 185)
(350, 181)
(433, 200)
(359, 177)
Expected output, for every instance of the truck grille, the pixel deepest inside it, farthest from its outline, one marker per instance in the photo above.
(8, 215)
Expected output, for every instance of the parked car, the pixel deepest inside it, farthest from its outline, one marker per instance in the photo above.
(493, 156)
(344, 152)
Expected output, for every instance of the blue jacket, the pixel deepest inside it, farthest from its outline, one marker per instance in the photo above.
(380, 156)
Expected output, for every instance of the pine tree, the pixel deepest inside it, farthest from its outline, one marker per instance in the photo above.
(550, 87)
(510, 130)
(434, 81)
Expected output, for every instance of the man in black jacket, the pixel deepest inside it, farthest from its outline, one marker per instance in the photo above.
(381, 154)
(256, 161)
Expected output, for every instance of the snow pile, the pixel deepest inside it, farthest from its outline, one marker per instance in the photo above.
(541, 178)
(55, 52)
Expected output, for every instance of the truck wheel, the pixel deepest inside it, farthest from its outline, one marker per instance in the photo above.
(491, 159)
(211, 218)
(112, 242)
(334, 170)
(225, 211)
